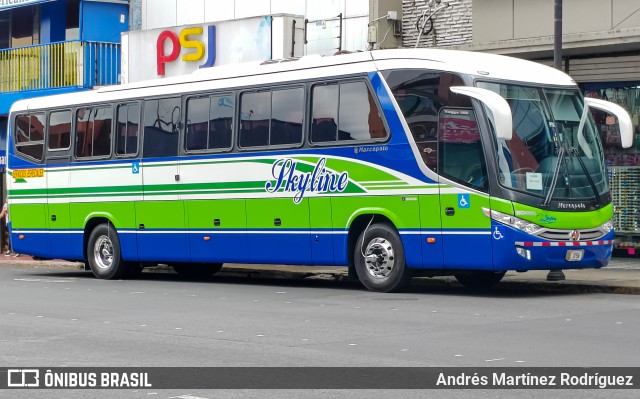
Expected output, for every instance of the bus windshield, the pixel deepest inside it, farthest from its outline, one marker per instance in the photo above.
(555, 152)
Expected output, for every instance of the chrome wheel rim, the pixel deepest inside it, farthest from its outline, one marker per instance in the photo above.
(379, 258)
(103, 252)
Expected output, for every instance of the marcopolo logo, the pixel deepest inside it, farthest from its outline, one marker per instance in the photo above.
(184, 39)
(319, 180)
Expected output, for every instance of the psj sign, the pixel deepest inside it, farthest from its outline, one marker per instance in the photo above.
(187, 39)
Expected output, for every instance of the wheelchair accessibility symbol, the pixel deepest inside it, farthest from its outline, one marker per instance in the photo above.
(464, 201)
(497, 235)
(135, 168)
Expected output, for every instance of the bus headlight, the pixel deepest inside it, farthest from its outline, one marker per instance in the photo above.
(523, 225)
(607, 227)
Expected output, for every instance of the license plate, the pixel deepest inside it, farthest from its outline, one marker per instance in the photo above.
(574, 255)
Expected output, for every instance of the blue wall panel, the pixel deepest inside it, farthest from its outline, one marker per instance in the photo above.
(101, 22)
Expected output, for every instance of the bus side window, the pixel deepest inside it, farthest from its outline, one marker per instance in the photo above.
(255, 109)
(29, 135)
(460, 154)
(286, 117)
(197, 123)
(128, 120)
(221, 122)
(161, 121)
(93, 132)
(324, 114)
(59, 131)
(358, 116)
(102, 132)
(82, 127)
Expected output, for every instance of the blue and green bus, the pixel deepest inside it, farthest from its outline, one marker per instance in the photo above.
(395, 163)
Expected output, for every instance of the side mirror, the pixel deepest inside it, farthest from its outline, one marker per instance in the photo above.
(499, 107)
(624, 120)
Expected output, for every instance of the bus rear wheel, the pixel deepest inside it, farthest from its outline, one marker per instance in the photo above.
(196, 270)
(379, 259)
(103, 253)
(479, 279)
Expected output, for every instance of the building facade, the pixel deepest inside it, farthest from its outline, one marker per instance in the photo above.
(332, 25)
(60, 46)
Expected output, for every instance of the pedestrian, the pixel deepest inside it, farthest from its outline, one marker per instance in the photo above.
(5, 213)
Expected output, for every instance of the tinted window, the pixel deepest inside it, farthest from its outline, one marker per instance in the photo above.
(221, 122)
(287, 110)
(324, 114)
(344, 112)
(209, 123)
(59, 130)
(460, 153)
(161, 127)
(93, 131)
(255, 111)
(127, 130)
(358, 117)
(29, 135)
(197, 123)
(421, 95)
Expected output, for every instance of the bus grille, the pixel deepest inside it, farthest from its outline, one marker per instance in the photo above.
(563, 235)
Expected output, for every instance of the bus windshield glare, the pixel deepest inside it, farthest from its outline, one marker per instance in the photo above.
(555, 152)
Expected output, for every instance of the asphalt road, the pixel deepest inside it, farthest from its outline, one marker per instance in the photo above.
(63, 317)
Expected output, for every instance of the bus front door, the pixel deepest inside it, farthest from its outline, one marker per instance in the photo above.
(466, 231)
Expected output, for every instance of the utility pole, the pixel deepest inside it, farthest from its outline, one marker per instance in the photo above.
(557, 35)
(557, 275)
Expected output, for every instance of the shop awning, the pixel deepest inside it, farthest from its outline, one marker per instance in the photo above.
(9, 4)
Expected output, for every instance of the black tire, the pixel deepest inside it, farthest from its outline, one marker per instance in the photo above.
(479, 279)
(379, 259)
(103, 253)
(196, 270)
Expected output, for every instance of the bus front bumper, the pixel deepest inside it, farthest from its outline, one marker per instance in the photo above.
(519, 251)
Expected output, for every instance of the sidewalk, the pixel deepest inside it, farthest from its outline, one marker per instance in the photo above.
(622, 276)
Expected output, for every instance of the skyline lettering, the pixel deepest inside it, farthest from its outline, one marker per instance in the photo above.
(320, 180)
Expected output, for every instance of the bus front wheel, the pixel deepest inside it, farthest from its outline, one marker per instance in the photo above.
(103, 253)
(379, 259)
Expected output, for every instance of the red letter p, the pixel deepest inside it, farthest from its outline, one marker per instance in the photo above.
(175, 51)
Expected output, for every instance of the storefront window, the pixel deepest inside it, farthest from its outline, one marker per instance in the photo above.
(20, 27)
(72, 31)
(5, 31)
(25, 26)
(629, 99)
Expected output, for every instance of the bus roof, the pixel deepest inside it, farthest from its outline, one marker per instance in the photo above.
(489, 66)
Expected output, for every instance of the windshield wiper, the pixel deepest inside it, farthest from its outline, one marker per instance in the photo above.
(554, 180)
(575, 153)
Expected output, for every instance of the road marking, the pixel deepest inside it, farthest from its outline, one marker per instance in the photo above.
(495, 360)
(188, 397)
(44, 280)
